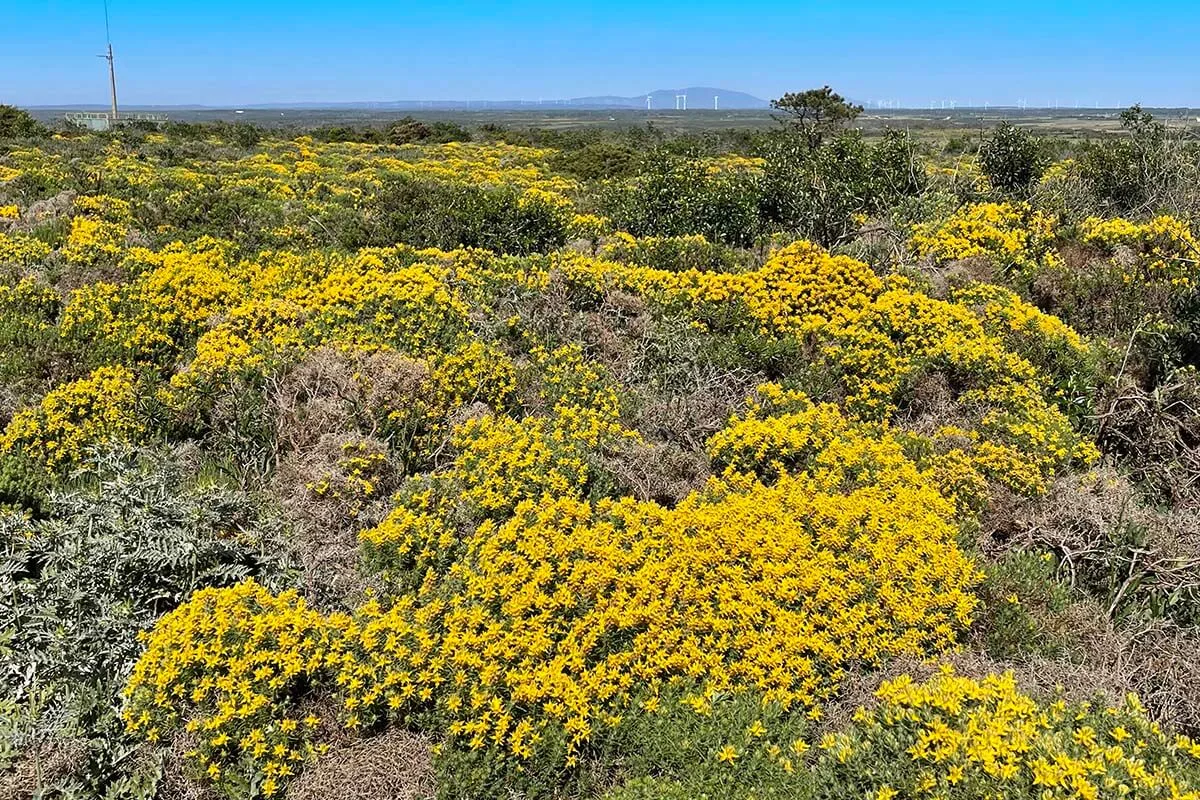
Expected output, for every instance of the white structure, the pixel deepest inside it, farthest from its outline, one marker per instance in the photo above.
(104, 121)
(678, 99)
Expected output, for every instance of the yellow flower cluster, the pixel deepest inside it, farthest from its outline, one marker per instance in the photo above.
(152, 317)
(361, 302)
(524, 600)
(357, 482)
(957, 737)
(502, 461)
(238, 654)
(75, 416)
(10, 212)
(732, 162)
(801, 288)
(589, 226)
(23, 251)
(1014, 235)
(1166, 248)
(30, 299)
(93, 241)
(883, 338)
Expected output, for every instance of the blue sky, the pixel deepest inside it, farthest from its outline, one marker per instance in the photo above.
(230, 53)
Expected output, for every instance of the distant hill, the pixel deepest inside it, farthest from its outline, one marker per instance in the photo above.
(698, 97)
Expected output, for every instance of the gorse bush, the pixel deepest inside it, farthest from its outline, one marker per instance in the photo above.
(957, 737)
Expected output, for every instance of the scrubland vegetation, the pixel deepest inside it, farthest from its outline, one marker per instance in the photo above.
(419, 461)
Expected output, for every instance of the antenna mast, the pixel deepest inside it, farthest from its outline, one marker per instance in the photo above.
(112, 72)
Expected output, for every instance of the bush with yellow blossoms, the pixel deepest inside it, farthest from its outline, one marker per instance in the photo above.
(236, 659)
(98, 231)
(957, 737)
(75, 416)
(1164, 247)
(22, 251)
(1014, 236)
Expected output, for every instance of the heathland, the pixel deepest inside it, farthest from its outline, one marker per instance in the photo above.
(483, 460)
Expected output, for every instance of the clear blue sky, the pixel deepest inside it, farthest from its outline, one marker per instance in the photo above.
(220, 52)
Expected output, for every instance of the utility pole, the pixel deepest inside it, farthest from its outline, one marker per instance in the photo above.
(112, 80)
(112, 72)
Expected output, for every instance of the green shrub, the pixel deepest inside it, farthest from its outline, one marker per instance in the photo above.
(16, 123)
(596, 161)
(1023, 605)
(447, 215)
(1011, 159)
(673, 196)
(128, 542)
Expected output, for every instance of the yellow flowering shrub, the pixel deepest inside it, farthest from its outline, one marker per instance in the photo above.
(236, 657)
(1012, 234)
(74, 416)
(150, 319)
(10, 212)
(589, 226)
(474, 372)
(1064, 359)
(23, 251)
(98, 230)
(31, 302)
(799, 289)
(1166, 248)
(953, 736)
(105, 207)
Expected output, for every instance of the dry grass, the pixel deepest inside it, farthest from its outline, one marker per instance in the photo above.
(332, 391)
(1125, 560)
(396, 765)
(325, 526)
(176, 782)
(42, 766)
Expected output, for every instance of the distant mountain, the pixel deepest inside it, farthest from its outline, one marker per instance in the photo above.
(697, 97)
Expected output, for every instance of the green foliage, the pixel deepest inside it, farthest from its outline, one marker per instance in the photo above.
(1023, 605)
(16, 123)
(1011, 159)
(597, 161)
(897, 168)
(675, 253)
(23, 484)
(130, 541)
(426, 213)
(816, 192)
(673, 196)
(412, 131)
(822, 193)
(817, 113)
(736, 748)
(1126, 173)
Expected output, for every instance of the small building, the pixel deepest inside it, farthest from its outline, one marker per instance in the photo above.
(103, 121)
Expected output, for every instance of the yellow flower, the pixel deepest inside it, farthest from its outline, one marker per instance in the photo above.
(727, 754)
